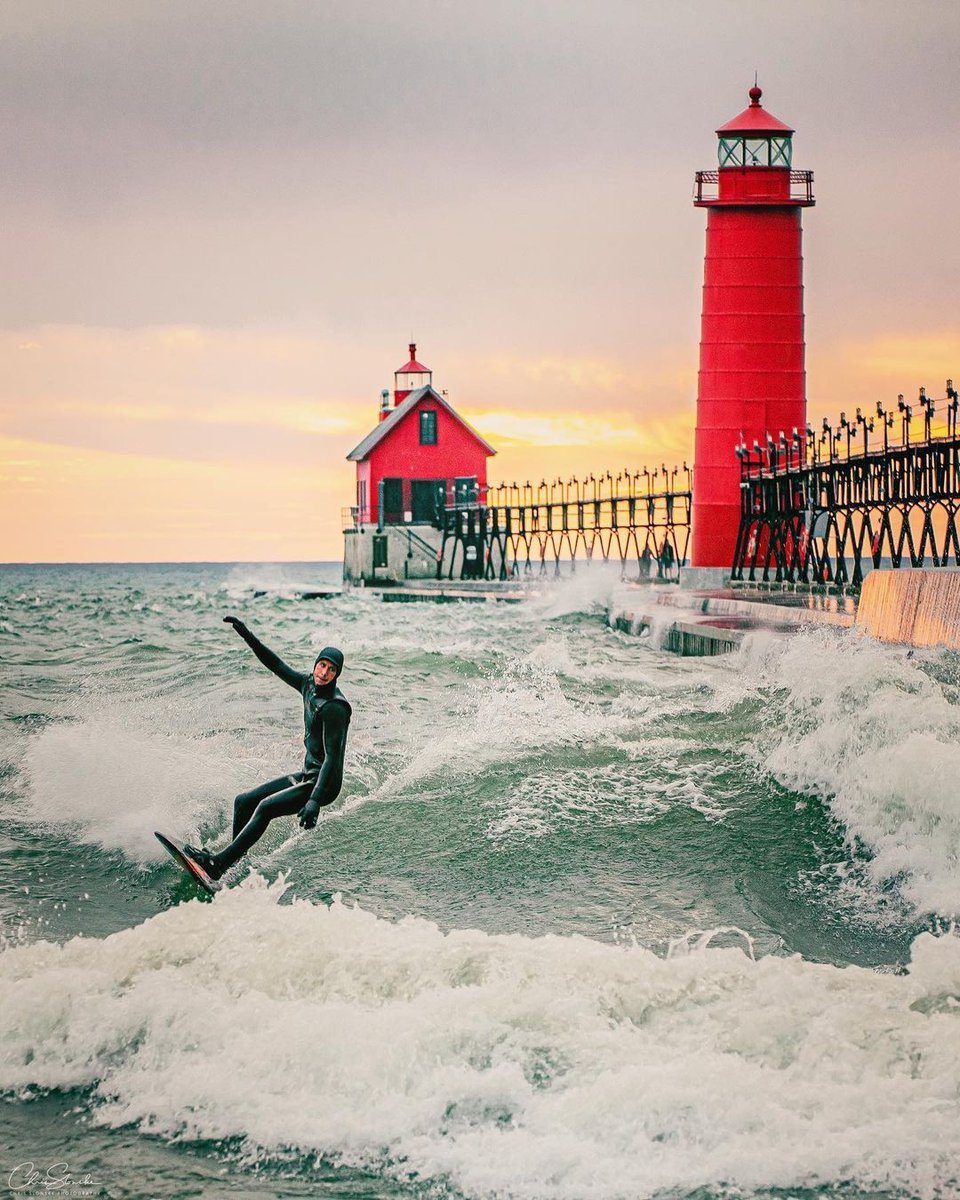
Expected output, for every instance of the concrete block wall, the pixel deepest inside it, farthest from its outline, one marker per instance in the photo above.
(918, 608)
(411, 553)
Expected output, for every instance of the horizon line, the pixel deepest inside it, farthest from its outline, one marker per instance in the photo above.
(171, 562)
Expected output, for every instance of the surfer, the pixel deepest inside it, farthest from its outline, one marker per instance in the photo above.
(326, 718)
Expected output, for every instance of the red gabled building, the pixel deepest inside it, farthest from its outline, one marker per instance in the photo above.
(422, 455)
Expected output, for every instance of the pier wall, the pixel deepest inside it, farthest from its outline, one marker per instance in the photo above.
(392, 554)
(918, 608)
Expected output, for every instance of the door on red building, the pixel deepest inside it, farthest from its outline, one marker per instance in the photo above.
(423, 500)
(392, 501)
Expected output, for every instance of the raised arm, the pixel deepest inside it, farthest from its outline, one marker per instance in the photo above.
(330, 780)
(273, 662)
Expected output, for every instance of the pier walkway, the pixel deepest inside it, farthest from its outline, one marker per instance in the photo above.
(910, 607)
(704, 623)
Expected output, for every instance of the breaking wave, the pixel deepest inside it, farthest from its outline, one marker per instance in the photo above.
(495, 1065)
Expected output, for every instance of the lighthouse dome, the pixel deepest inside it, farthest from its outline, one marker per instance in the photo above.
(755, 118)
(755, 138)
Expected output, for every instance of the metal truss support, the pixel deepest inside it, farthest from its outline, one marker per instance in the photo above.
(640, 520)
(825, 506)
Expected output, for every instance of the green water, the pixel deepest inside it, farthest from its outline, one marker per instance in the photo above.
(588, 919)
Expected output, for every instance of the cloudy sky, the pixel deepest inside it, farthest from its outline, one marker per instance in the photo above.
(222, 222)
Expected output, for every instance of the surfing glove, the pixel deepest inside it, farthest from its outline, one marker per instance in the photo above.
(309, 813)
(237, 624)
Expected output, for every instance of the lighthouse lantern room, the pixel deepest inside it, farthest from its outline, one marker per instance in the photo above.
(410, 377)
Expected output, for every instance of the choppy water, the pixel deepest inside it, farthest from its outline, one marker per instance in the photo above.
(589, 921)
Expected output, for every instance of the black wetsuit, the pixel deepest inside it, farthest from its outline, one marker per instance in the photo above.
(326, 718)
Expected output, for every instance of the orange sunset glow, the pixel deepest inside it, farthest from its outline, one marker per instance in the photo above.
(211, 271)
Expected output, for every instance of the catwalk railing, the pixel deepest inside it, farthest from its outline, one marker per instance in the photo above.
(640, 519)
(824, 505)
(707, 188)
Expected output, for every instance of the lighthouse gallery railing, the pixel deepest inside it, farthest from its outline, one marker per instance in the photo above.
(707, 185)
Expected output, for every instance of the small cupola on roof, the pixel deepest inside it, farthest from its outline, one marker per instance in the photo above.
(410, 377)
(755, 138)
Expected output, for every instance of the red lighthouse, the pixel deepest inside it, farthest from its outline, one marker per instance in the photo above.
(752, 377)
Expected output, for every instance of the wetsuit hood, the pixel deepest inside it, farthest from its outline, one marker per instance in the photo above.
(333, 655)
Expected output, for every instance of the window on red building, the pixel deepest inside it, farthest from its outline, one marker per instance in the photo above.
(428, 427)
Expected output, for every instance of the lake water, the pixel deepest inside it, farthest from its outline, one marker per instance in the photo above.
(588, 920)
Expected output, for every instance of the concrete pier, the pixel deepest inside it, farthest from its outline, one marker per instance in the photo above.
(704, 623)
(915, 608)
(446, 591)
(909, 607)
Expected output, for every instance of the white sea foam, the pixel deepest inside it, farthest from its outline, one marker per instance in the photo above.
(112, 778)
(863, 726)
(644, 782)
(589, 589)
(631, 603)
(539, 804)
(547, 1068)
(245, 579)
(641, 678)
(513, 711)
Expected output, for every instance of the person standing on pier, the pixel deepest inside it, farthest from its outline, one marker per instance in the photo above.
(326, 719)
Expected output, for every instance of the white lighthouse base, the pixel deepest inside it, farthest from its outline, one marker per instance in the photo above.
(390, 555)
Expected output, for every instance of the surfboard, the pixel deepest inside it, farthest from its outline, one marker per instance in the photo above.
(180, 856)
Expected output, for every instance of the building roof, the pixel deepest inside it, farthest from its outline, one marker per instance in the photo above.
(755, 119)
(383, 430)
(412, 365)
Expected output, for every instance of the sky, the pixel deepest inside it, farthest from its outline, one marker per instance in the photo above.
(223, 221)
